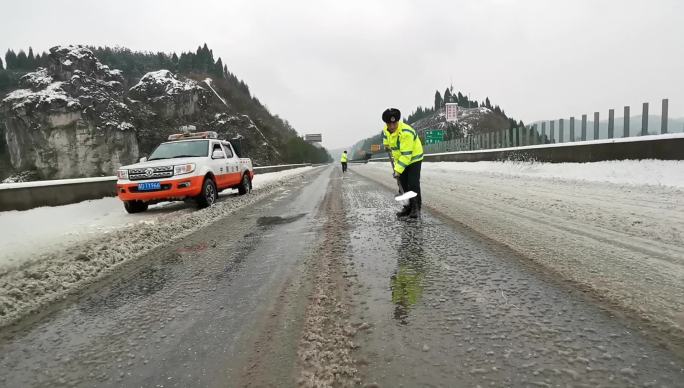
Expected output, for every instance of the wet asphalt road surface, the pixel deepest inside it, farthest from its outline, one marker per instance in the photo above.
(188, 315)
(436, 305)
(449, 308)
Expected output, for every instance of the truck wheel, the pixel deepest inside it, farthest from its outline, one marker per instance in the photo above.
(208, 194)
(246, 185)
(135, 206)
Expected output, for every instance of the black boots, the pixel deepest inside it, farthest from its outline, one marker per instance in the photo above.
(404, 212)
(415, 212)
(414, 205)
(412, 210)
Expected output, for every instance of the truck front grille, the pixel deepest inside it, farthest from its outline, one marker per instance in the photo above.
(136, 174)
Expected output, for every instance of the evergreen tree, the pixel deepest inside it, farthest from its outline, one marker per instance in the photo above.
(11, 60)
(218, 68)
(1, 66)
(31, 60)
(439, 103)
(462, 101)
(22, 60)
(488, 104)
(185, 62)
(447, 96)
(174, 59)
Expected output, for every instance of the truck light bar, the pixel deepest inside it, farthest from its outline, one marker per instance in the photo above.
(196, 135)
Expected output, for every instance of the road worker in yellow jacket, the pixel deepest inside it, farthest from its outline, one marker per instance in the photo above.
(343, 160)
(407, 152)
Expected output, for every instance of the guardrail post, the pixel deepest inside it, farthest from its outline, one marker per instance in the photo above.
(552, 130)
(625, 123)
(596, 125)
(644, 119)
(584, 128)
(560, 130)
(572, 129)
(663, 118)
(611, 123)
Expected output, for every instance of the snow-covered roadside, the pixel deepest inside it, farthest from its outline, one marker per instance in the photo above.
(636, 172)
(619, 235)
(63, 248)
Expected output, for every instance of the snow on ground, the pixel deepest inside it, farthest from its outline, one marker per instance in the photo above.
(615, 229)
(648, 172)
(62, 249)
(28, 234)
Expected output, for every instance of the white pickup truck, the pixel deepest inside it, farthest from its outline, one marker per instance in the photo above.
(189, 166)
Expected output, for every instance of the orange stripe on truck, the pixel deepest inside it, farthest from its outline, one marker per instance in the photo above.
(126, 191)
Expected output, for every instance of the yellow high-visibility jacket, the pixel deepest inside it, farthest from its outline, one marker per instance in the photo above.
(344, 158)
(405, 145)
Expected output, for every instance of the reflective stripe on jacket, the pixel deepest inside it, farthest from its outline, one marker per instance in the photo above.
(405, 145)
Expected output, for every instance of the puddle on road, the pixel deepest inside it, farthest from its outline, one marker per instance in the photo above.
(270, 221)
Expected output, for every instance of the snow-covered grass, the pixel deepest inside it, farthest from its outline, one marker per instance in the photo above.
(631, 172)
(642, 172)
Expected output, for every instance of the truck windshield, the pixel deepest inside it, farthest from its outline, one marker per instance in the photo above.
(181, 149)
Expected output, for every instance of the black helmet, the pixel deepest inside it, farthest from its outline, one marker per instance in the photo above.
(391, 115)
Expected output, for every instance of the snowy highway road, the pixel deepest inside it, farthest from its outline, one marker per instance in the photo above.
(318, 284)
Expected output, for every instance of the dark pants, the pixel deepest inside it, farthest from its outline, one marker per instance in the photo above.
(410, 181)
(344, 166)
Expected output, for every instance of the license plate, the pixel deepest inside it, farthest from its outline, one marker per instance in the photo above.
(149, 186)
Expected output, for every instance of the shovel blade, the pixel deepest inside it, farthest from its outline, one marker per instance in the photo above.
(406, 196)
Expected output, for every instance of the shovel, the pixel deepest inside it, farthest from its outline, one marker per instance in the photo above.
(403, 196)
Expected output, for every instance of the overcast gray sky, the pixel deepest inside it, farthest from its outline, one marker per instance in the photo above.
(333, 66)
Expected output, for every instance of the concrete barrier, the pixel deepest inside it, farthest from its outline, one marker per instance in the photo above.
(29, 195)
(636, 148)
(24, 196)
(281, 167)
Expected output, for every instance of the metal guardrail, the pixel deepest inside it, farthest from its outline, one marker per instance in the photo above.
(29, 195)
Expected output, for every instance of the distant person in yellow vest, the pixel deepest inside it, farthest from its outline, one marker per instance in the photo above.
(343, 159)
(407, 152)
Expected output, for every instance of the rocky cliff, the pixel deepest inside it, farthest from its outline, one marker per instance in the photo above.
(77, 117)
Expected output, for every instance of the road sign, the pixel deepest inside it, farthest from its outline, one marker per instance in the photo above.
(375, 147)
(313, 137)
(433, 136)
(451, 109)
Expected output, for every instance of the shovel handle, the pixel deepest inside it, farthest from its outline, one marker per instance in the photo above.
(401, 189)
